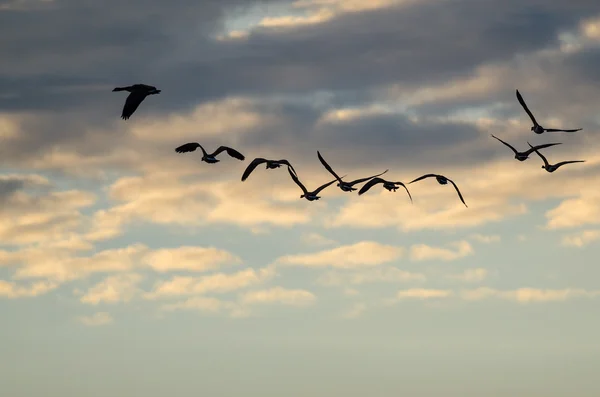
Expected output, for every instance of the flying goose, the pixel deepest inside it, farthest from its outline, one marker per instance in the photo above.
(442, 180)
(538, 129)
(310, 196)
(271, 164)
(345, 186)
(391, 186)
(553, 167)
(522, 156)
(138, 92)
(209, 158)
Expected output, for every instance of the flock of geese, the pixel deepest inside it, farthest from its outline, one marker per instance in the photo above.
(138, 92)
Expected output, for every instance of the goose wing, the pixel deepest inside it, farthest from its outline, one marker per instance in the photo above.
(568, 162)
(284, 161)
(131, 104)
(295, 179)
(423, 177)
(232, 152)
(405, 188)
(189, 147)
(539, 154)
(522, 102)
(545, 145)
(366, 179)
(512, 148)
(370, 184)
(458, 191)
(323, 186)
(559, 130)
(253, 164)
(327, 166)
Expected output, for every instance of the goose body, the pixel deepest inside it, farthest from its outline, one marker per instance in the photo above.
(390, 186)
(270, 164)
(522, 156)
(442, 180)
(310, 196)
(553, 167)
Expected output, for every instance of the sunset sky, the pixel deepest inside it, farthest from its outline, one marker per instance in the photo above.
(127, 269)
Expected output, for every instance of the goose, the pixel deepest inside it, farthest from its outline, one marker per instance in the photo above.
(391, 186)
(538, 129)
(345, 186)
(553, 167)
(310, 196)
(442, 180)
(271, 164)
(522, 156)
(209, 158)
(138, 92)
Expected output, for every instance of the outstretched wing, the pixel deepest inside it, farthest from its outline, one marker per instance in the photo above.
(539, 154)
(405, 188)
(545, 145)
(366, 179)
(522, 102)
(131, 104)
(324, 186)
(253, 164)
(370, 184)
(295, 179)
(559, 130)
(284, 161)
(189, 147)
(232, 152)
(327, 166)
(423, 177)
(568, 162)
(458, 191)
(512, 148)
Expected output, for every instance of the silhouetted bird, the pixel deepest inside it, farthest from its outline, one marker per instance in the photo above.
(209, 158)
(345, 186)
(271, 164)
(522, 156)
(553, 167)
(391, 186)
(138, 92)
(310, 196)
(538, 129)
(442, 180)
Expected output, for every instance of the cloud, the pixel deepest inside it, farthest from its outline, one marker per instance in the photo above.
(471, 275)
(361, 254)
(113, 289)
(355, 311)
(485, 239)
(291, 297)
(317, 239)
(423, 252)
(581, 239)
(96, 319)
(529, 295)
(575, 212)
(382, 274)
(12, 290)
(423, 294)
(213, 283)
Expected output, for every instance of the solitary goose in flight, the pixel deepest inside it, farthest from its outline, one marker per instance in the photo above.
(391, 186)
(442, 180)
(138, 92)
(522, 156)
(209, 158)
(553, 167)
(345, 186)
(271, 164)
(538, 129)
(310, 196)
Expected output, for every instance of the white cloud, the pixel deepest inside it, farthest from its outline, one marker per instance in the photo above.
(383, 274)
(485, 239)
(291, 297)
(113, 289)
(355, 311)
(317, 239)
(423, 252)
(471, 275)
(581, 239)
(529, 295)
(13, 290)
(361, 254)
(96, 320)
(422, 294)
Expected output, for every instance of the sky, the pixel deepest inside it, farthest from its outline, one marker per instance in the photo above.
(127, 269)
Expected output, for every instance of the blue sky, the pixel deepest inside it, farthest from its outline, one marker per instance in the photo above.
(128, 269)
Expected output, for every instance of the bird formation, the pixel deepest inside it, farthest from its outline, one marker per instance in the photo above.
(139, 92)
